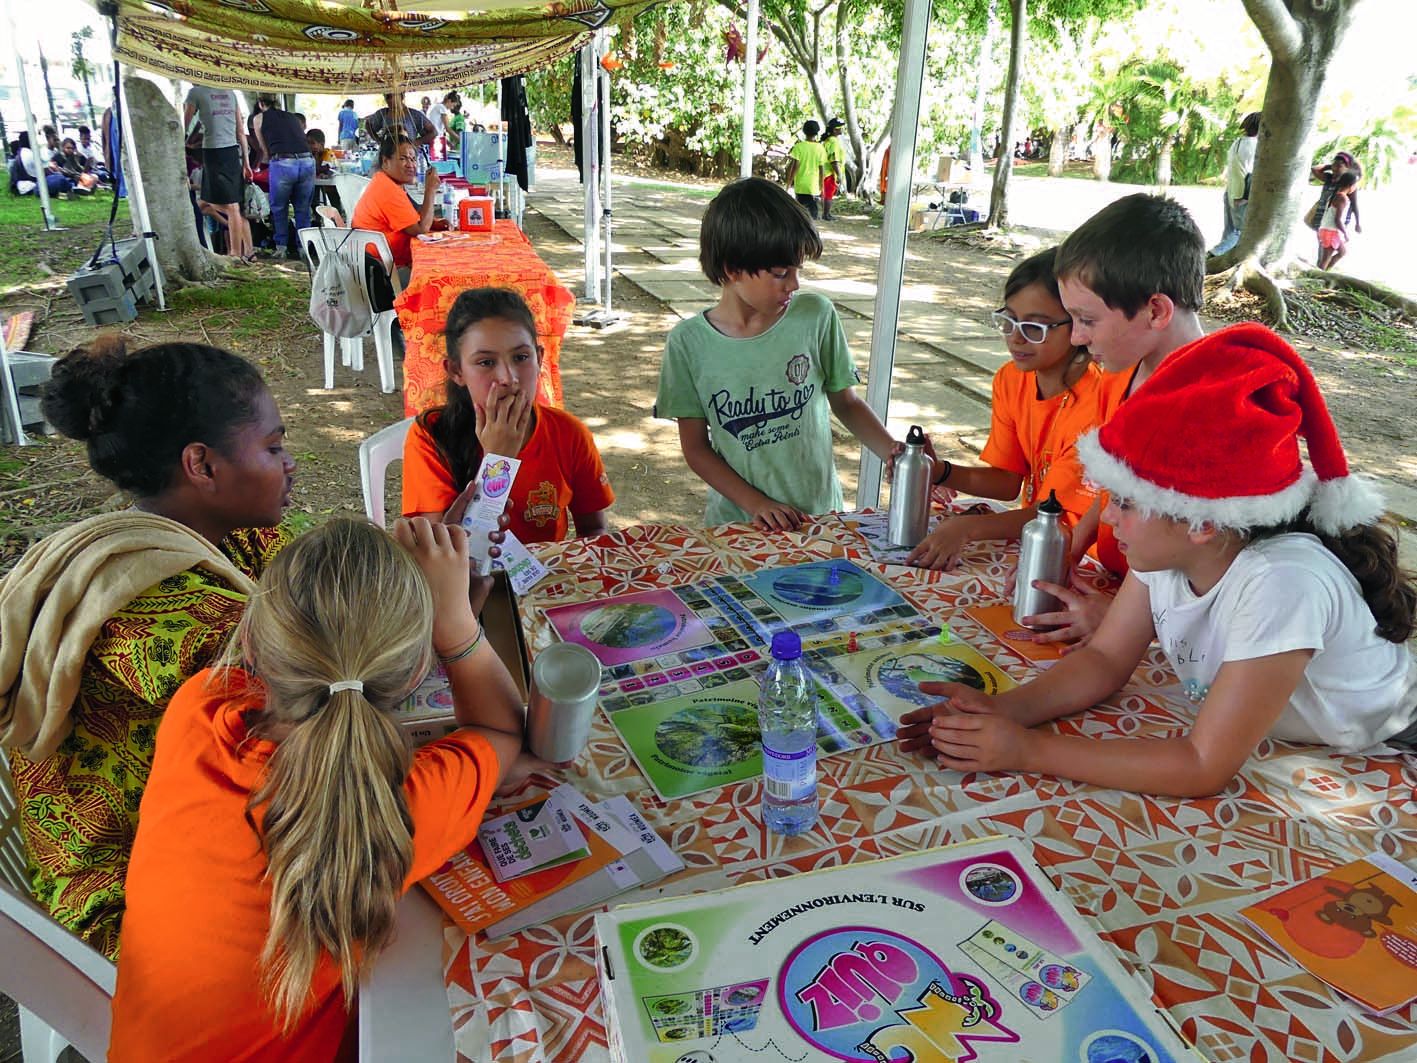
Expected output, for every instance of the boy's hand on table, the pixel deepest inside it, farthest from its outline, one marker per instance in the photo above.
(980, 742)
(941, 548)
(502, 423)
(1075, 623)
(772, 515)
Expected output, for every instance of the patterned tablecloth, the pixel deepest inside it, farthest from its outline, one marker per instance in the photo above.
(445, 269)
(1161, 880)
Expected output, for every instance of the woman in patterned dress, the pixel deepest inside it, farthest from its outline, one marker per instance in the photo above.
(101, 622)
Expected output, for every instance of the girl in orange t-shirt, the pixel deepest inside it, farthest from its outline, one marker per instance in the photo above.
(1048, 394)
(285, 814)
(493, 363)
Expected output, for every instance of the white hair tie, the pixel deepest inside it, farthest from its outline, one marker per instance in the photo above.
(347, 684)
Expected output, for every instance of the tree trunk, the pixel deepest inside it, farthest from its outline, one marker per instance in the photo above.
(1163, 163)
(976, 130)
(1003, 166)
(856, 164)
(1102, 153)
(49, 93)
(1302, 36)
(1058, 150)
(156, 130)
(88, 98)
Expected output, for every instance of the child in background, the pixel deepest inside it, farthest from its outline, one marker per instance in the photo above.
(835, 176)
(324, 160)
(1279, 604)
(1131, 277)
(1048, 395)
(751, 381)
(493, 365)
(285, 815)
(807, 161)
(1333, 234)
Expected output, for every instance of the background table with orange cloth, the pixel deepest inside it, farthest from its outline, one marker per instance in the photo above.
(1161, 880)
(442, 271)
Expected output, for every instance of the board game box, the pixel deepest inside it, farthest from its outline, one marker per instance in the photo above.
(955, 954)
(681, 665)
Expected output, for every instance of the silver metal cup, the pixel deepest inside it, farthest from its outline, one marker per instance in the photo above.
(565, 685)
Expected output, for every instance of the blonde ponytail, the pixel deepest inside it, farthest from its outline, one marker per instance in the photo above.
(344, 602)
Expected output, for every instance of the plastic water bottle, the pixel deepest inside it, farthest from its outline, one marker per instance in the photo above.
(787, 716)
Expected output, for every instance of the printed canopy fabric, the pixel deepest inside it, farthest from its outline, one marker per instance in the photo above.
(354, 45)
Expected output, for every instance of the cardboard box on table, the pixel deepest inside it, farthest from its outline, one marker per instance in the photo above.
(428, 712)
(966, 952)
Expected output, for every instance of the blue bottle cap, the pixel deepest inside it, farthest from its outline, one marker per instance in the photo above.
(786, 646)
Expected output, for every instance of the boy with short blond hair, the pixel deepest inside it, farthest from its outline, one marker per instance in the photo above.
(753, 381)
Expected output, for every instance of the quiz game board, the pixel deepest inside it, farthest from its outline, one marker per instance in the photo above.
(946, 956)
(680, 681)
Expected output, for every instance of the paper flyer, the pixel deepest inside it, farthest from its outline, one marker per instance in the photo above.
(541, 834)
(965, 953)
(999, 621)
(1354, 926)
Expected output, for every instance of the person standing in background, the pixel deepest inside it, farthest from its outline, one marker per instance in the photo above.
(439, 148)
(1239, 168)
(225, 160)
(348, 127)
(292, 168)
(804, 169)
(835, 176)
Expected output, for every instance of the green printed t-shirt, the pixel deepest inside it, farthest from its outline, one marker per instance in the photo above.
(811, 163)
(765, 401)
(834, 152)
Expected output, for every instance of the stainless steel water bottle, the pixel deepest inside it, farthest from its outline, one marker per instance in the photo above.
(1042, 554)
(910, 492)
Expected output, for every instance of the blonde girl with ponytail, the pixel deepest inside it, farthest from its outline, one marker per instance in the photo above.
(286, 815)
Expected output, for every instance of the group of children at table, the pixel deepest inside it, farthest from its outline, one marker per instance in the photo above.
(184, 672)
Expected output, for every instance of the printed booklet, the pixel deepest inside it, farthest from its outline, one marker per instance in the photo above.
(624, 852)
(961, 953)
(1355, 927)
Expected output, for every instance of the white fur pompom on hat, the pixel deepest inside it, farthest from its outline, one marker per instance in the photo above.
(1213, 438)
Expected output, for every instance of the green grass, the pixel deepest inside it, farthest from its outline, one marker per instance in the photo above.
(257, 304)
(27, 242)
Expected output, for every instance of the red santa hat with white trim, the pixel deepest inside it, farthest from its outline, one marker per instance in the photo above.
(1212, 437)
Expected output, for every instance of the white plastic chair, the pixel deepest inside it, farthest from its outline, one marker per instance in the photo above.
(403, 1004)
(62, 986)
(352, 244)
(349, 187)
(376, 454)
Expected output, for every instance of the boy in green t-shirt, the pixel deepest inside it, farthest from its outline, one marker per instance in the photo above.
(747, 379)
(807, 161)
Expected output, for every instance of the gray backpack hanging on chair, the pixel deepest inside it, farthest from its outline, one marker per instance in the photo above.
(338, 303)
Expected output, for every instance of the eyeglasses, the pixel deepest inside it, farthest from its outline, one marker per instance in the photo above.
(1031, 331)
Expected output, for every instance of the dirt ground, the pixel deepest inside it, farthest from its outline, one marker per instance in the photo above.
(610, 378)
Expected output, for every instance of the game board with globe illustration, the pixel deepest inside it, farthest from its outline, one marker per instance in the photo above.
(961, 953)
(681, 665)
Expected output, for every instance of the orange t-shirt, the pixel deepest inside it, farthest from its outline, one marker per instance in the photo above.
(199, 905)
(385, 207)
(561, 475)
(1037, 438)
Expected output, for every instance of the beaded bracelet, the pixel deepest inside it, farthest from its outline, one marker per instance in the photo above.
(949, 468)
(466, 651)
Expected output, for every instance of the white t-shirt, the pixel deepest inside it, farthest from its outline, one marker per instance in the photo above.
(435, 119)
(1239, 164)
(1290, 593)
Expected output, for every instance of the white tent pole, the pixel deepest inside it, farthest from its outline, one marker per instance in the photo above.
(603, 75)
(41, 186)
(910, 76)
(750, 89)
(12, 398)
(136, 197)
(588, 137)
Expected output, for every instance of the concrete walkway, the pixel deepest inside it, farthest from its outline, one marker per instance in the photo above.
(656, 229)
